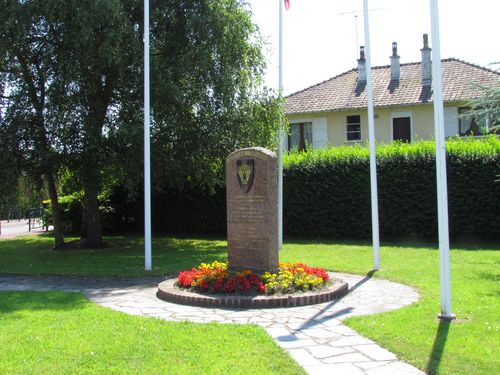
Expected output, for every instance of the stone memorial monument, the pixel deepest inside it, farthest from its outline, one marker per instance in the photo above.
(252, 212)
(252, 238)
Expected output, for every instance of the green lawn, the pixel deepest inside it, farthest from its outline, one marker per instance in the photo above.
(467, 346)
(63, 333)
(124, 257)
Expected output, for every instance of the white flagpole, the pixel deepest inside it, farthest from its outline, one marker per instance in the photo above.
(280, 148)
(442, 188)
(371, 136)
(147, 167)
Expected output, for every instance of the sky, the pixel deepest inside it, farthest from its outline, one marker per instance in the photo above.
(319, 36)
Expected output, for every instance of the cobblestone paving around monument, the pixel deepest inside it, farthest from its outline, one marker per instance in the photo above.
(313, 335)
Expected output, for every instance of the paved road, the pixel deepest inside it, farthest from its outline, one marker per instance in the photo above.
(313, 335)
(16, 228)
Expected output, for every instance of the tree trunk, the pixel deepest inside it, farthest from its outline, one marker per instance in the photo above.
(93, 237)
(91, 220)
(91, 216)
(83, 225)
(56, 211)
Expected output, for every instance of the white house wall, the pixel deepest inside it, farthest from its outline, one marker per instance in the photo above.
(422, 123)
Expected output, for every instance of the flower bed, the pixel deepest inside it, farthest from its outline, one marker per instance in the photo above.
(290, 278)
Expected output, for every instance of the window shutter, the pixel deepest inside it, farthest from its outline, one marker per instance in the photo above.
(450, 121)
(320, 133)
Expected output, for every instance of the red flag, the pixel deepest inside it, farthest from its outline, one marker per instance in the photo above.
(287, 4)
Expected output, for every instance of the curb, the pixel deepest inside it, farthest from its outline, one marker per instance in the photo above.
(167, 291)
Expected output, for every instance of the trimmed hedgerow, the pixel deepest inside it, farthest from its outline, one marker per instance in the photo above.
(327, 192)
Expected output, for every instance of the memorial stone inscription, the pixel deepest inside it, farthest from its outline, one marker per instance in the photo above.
(252, 216)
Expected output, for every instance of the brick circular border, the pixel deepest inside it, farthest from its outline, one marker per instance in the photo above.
(167, 291)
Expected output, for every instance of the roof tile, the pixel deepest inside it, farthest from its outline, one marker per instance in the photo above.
(461, 82)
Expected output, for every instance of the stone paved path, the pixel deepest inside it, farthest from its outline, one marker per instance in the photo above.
(313, 335)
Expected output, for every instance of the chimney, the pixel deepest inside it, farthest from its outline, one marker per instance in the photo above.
(426, 63)
(394, 63)
(362, 65)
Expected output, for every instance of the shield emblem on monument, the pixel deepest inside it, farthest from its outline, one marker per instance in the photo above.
(245, 173)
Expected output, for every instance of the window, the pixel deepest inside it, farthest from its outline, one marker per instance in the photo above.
(353, 128)
(469, 125)
(300, 137)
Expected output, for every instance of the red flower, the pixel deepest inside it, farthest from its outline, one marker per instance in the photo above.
(254, 280)
(186, 278)
(244, 285)
(230, 286)
(204, 284)
(316, 271)
(213, 278)
(219, 285)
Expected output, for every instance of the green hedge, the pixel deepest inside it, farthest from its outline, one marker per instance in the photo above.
(190, 211)
(71, 211)
(118, 214)
(327, 192)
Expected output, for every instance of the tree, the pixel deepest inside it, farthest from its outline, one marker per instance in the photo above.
(100, 50)
(27, 70)
(207, 100)
(206, 79)
(8, 173)
(485, 109)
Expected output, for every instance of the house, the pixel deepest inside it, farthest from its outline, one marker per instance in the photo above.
(334, 112)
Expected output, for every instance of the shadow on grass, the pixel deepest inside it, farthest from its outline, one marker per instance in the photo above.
(203, 241)
(39, 301)
(123, 257)
(438, 348)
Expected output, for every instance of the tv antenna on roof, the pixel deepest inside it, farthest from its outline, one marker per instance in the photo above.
(356, 12)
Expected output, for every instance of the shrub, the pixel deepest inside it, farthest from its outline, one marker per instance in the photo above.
(327, 192)
(71, 211)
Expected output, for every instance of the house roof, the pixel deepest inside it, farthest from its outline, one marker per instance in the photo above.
(461, 82)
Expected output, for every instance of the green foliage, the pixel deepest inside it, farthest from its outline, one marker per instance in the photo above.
(8, 175)
(75, 75)
(327, 192)
(486, 108)
(71, 207)
(71, 211)
(192, 210)
(207, 97)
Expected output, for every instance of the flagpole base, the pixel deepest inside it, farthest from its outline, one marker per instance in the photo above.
(446, 318)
